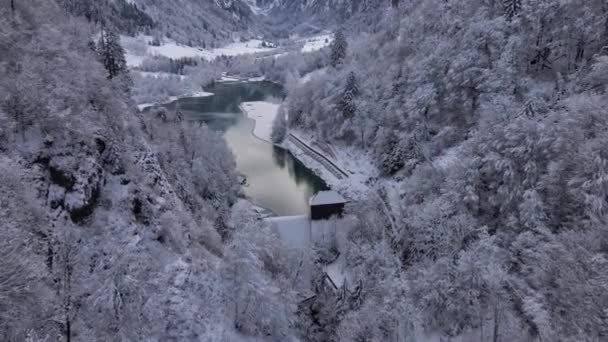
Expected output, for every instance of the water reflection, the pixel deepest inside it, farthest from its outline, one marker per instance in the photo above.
(275, 179)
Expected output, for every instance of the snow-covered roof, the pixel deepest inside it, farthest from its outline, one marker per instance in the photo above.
(327, 197)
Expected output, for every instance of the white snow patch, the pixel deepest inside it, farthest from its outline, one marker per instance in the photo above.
(326, 197)
(175, 51)
(133, 60)
(292, 230)
(174, 98)
(257, 79)
(335, 271)
(229, 79)
(240, 48)
(263, 113)
(199, 94)
(313, 74)
(280, 55)
(317, 42)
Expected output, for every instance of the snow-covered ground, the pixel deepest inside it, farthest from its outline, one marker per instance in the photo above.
(357, 165)
(312, 74)
(133, 60)
(257, 79)
(336, 271)
(292, 230)
(137, 48)
(317, 42)
(280, 55)
(263, 113)
(174, 98)
(229, 79)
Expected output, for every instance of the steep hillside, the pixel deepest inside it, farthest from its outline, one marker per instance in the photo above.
(471, 136)
(486, 123)
(207, 23)
(309, 16)
(122, 15)
(112, 221)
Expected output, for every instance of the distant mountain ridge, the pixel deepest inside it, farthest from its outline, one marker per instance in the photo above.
(307, 16)
(319, 7)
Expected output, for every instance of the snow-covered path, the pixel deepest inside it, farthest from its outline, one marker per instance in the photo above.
(356, 168)
(319, 157)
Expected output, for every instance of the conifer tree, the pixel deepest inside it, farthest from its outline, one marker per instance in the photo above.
(111, 54)
(338, 48)
(351, 91)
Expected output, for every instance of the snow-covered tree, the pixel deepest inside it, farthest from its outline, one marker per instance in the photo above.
(339, 48)
(279, 127)
(258, 307)
(111, 54)
(347, 103)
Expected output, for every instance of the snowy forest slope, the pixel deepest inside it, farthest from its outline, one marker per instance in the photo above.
(485, 120)
(113, 225)
(208, 23)
(490, 116)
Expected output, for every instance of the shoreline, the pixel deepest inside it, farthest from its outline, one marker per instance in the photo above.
(353, 186)
(263, 114)
(144, 106)
(254, 124)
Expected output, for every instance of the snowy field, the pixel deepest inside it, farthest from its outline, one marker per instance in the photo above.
(316, 43)
(263, 113)
(133, 60)
(138, 48)
(229, 79)
(311, 75)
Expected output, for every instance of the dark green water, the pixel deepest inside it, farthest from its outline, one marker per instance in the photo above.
(275, 179)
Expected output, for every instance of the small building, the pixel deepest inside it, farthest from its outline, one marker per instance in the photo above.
(325, 204)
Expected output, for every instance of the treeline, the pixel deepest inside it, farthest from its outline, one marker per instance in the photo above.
(170, 65)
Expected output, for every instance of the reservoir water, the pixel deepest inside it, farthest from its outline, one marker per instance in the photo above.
(275, 179)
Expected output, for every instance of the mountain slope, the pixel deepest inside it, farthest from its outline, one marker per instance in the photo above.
(311, 16)
(105, 233)
(201, 22)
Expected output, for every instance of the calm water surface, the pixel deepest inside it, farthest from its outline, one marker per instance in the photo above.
(275, 179)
